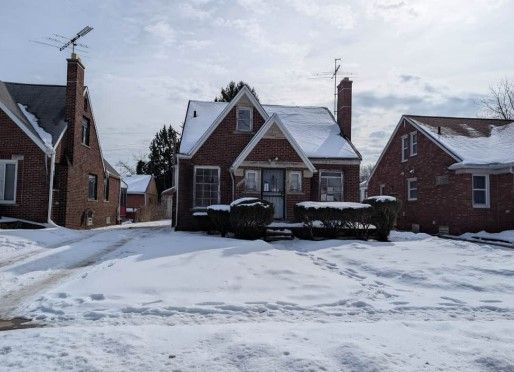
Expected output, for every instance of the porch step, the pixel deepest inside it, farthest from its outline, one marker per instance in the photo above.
(282, 234)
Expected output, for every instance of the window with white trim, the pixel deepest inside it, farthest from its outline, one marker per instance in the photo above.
(405, 147)
(8, 176)
(382, 189)
(251, 180)
(481, 197)
(244, 119)
(295, 181)
(206, 186)
(106, 188)
(413, 143)
(92, 182)
(85, 131)
(412, 189)
(331, 186)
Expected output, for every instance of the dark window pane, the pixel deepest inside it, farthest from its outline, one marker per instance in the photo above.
(10, 175)
(479, 182)
(479, 196)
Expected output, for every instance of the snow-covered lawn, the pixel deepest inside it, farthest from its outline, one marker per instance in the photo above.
(149, 298)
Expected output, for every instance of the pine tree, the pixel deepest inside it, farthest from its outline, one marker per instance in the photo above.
(231, 90)
(162, 157)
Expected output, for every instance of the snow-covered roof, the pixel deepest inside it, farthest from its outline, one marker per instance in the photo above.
(313, 128)
(137, 183)
(474, 142)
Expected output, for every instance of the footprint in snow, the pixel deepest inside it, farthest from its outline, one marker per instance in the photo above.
(97, 296)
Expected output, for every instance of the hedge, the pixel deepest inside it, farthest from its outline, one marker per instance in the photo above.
(219, 215)
(384, 213)
(249, 217)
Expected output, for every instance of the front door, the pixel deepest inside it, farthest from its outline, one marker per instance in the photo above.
(273, 190)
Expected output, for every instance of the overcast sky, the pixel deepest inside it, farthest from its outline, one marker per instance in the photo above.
(148, 58)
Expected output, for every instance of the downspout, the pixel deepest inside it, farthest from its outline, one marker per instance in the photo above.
(51, 187)
(231, 171)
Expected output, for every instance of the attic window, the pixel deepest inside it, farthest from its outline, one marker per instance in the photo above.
(85, 129)
(86, 104)
(244, 119)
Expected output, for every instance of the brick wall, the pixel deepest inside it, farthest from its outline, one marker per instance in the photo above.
(33, 173)
(445, 205)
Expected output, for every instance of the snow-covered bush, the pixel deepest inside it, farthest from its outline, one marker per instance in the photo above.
(335, 218)
(384, 213)
(219, 215)
(250, 217)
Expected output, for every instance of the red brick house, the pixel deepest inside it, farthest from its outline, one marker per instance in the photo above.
(141, 192)
(284, 154)
(51, 164)
(453, 175)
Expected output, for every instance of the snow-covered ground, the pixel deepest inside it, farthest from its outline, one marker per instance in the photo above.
(143, 297)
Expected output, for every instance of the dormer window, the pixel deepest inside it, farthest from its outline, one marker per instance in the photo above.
(244, 119)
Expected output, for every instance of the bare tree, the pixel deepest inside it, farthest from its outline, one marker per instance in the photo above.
(500, 103)
(366, 172)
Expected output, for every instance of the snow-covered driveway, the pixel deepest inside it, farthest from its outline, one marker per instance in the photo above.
(149, 298)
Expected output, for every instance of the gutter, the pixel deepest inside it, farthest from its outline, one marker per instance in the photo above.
(231, 171)
(51, 187)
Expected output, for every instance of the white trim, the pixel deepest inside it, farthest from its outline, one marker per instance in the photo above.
(300, 179)
(243, 92)
(194, 181)
(382, 189)
(405, 142)
(274, 119)
(321, 171)
(411, 143)
(335, 161)
(51, 187)
(4, 162)
(250, 110)
(487, 191)
(177, 182)
(47, 150)
(404, 120)
(257, 183)
(409, 188)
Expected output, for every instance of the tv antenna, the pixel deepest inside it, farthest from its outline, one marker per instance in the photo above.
(62, 42)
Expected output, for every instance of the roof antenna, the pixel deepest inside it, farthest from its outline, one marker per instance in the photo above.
(62, 42)
(336, 69)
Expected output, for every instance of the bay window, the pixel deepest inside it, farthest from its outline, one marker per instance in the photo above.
(206, 186)
(331, 186)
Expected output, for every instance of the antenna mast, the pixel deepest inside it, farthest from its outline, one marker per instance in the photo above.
(58, 40)
(336, 69)
(73, 41)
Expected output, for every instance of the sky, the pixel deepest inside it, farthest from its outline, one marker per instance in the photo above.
(146, 59)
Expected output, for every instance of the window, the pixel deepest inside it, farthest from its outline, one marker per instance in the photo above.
(295, 181)
(405, 148)
(91, 187)
(412, 189)
(481, 191)
(413, 143)
(382, 189)
(331, 186)
(251, 180)
(86, 104)
(85, 131)
(244, 119)
(8, 175)
(106, 188)
(206, 186)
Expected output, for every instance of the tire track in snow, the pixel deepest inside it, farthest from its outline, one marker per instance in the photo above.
(13, 299)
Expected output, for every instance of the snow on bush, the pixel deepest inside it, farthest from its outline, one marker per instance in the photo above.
(243, 200)
(382, 198)
(250, 217)
(219, 207)
(383, 215)
(332, 205)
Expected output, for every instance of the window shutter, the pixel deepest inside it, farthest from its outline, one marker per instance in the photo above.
(2, 180)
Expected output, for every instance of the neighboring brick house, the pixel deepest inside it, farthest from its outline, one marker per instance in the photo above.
(284, 154)
(141, 192)
(453, 175)
(51, 164)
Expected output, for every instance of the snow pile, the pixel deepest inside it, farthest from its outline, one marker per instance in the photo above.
(46, 137)
(137, 183)
(243, 200)
(219, 207)
(495, 150)
(382, 198)
(333, 205)
(504, 236)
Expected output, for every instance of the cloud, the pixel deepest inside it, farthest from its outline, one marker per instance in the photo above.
(336, 14)
(163, 31)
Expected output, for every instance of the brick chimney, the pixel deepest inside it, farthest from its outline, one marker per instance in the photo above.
(344, 107)
(74, 103)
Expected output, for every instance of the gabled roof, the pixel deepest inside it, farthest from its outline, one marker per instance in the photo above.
(44, 102)
(138, 183)
(475, 142)
(313, 128)
(274, 119)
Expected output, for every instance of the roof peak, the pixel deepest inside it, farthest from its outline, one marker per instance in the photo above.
(264, 104)
(456, 117)
(43, 85)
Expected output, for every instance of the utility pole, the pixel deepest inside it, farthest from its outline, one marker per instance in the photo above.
(336, 69)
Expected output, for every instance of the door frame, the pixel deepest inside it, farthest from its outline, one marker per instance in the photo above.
(283, 170)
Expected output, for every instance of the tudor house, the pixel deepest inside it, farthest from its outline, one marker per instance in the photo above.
(453, 175)
(284, 154)
(51, 164)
